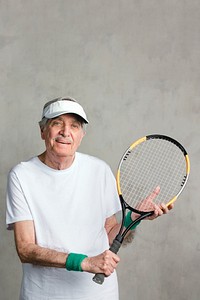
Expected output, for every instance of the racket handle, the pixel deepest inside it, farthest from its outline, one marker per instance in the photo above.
(99, 277)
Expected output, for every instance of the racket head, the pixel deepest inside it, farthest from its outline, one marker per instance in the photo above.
(153, 164)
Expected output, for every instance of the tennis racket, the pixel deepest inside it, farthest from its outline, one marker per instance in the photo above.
(152, 162)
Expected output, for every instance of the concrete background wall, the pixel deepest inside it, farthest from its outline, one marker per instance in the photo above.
(134, 66)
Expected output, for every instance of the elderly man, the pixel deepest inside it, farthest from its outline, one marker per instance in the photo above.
(62, 205)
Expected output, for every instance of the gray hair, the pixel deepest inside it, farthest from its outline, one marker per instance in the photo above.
(43, 123)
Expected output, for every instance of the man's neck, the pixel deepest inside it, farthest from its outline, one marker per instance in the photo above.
(56, 162)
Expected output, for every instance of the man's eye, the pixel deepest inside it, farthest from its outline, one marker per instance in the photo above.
(57, 123)
(75, 125)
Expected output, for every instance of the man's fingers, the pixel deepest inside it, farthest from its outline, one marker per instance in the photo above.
(110, 262)
(105, 262)
(154, 194)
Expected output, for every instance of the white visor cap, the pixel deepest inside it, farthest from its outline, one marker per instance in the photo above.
(58, 108)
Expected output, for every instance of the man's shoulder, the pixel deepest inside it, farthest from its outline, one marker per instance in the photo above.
(90, 159)
(23, 165)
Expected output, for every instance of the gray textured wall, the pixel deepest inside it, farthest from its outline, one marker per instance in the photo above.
(134, 66)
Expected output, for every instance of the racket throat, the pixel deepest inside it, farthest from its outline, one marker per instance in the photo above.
(116, 244)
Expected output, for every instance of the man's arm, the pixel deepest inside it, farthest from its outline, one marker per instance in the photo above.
(30, 252)
(112, 226)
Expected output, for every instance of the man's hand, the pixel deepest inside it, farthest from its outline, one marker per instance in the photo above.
(148, 205)
(103, 263)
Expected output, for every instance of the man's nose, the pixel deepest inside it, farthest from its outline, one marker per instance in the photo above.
(65, 131)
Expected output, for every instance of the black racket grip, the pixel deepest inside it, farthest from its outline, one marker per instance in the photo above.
(99, 277)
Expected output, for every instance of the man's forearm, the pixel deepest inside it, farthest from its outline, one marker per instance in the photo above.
(34, 254)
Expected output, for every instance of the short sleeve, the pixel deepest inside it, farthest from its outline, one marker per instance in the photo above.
(17, 208)
(111, 195)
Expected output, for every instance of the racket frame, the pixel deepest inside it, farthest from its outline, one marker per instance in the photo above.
(99, 278)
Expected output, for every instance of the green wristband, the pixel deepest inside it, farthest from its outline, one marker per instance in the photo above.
(128, 221)
(73, 262)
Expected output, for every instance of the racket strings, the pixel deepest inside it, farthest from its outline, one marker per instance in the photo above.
(151, 164)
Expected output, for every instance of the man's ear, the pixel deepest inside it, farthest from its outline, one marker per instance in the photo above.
(42, 133)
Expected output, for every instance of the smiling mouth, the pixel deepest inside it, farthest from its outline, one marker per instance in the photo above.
(63, 141)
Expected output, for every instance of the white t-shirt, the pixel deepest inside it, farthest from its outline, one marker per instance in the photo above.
(69, 208)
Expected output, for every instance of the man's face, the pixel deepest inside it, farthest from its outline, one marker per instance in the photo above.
(63, 135)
